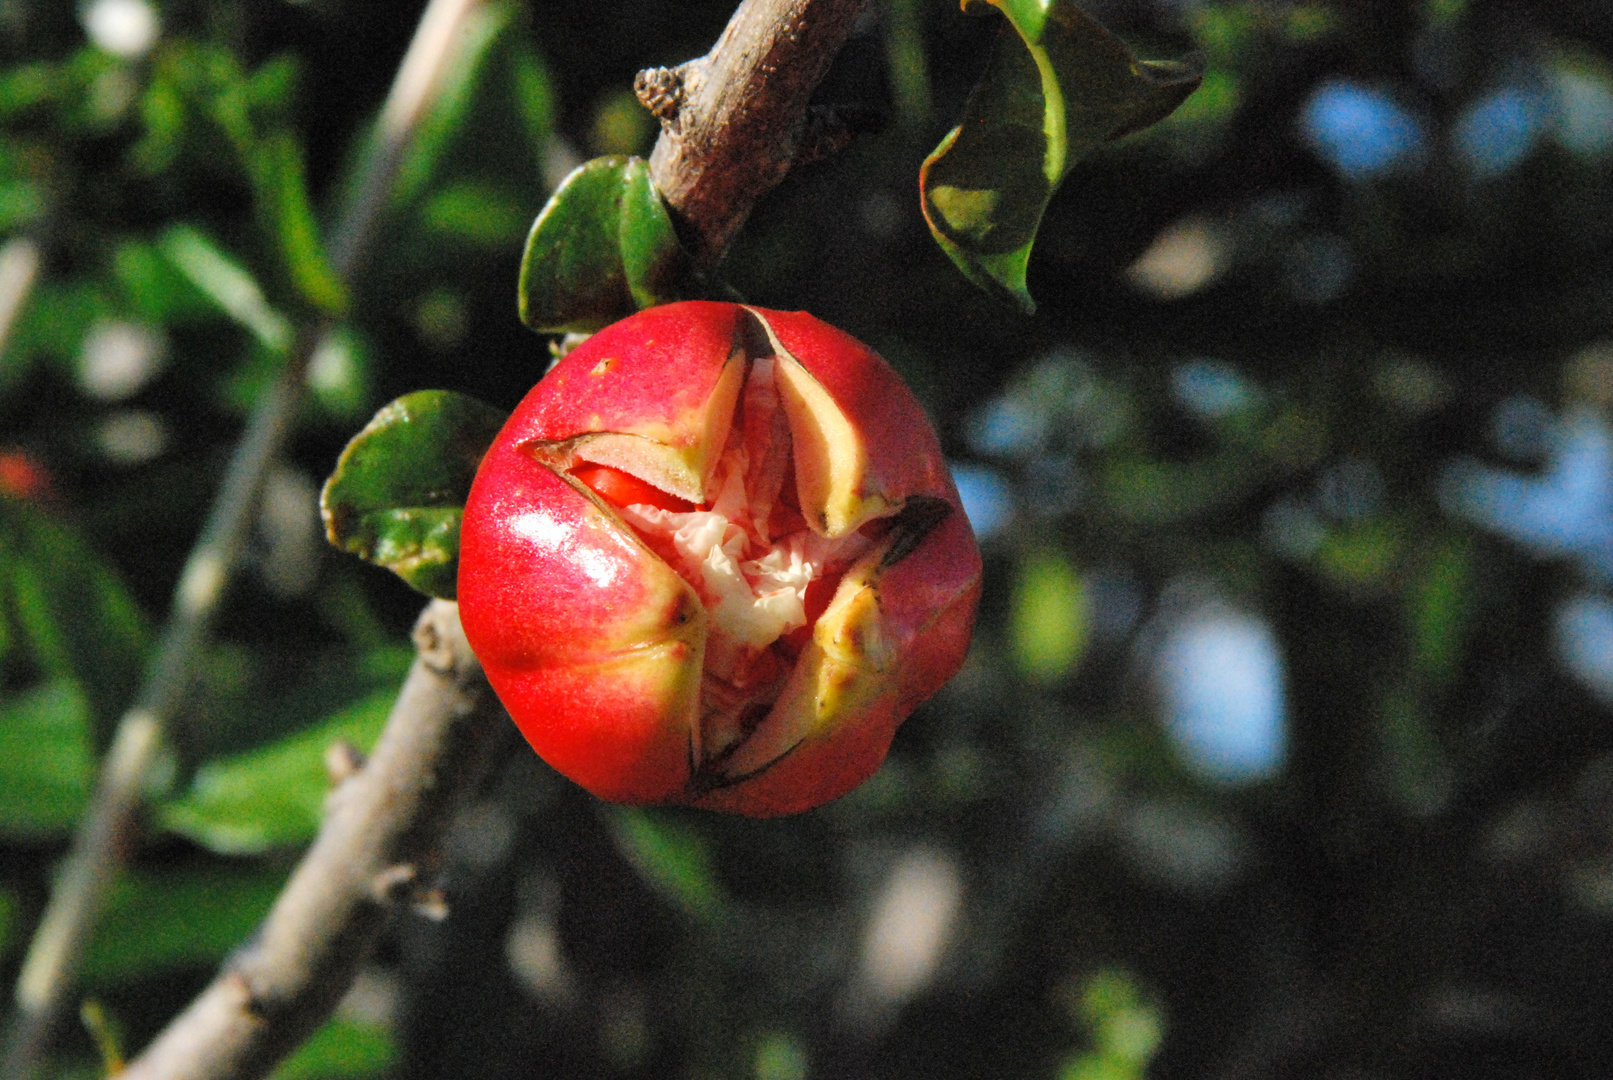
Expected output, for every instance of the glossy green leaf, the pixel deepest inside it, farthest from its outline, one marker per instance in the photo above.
(273, 796)
(343, 1049)
(166, 922)
(603, 248)
(399, 489)
(47, 762)
(671, 856)
(1057, 87)
(78, 620)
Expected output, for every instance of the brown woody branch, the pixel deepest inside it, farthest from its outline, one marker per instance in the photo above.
(735, 120)
(374, 855)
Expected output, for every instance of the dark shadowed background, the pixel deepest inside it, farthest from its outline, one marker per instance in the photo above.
(1284, 748)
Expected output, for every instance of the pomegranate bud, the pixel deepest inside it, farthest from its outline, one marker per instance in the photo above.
(715, 558)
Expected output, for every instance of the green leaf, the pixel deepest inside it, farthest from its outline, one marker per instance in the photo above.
(227, 283)
(273, 796)
(534, 96)
(476, 212)
(282, 190)
(399, 489)
(1051, 617)
(602, 248)
(28, 85)
(341, 1050)
(158, 923)
(162, 113)
(339, 374)
(21, 203)
(1438, 606)
(1126, 1031)
(8, 914)
(273, 86)
(153, 286)
(47, 762)
(1057, 87)
(80, 623)
(672, 857)
(462, 75)
(54, 322)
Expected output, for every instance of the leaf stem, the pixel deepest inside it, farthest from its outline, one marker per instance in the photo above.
(50, 970)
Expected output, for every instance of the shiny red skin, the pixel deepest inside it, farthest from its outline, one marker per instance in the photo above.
(594, 644)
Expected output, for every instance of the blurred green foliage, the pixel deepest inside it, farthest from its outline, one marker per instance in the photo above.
(47, 761)
(1125, 1032)
(272, 796)
(340, 1050)
(1284, 746)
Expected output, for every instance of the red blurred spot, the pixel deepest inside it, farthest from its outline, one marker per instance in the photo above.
(21, 477)
(624, 489)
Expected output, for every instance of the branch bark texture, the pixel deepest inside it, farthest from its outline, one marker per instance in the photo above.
(735, 120)
(374, 854)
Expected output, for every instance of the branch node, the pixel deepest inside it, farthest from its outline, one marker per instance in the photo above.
(238, 989)
(661, 90)
(343, 761)
(431, 905)
(434, 636)
(392, 884)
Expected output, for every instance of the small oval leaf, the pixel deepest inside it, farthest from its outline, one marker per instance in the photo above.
(399, 488)
(602, 248)
(1058, 86)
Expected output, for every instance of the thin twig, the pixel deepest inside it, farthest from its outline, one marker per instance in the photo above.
(734, 121)
(50, 969)
(373, 855)
(19, 269)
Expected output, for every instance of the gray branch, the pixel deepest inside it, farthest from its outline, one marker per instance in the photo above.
(735, 120)
(373, 856)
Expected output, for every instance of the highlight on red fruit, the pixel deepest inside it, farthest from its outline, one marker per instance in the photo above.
(715, 558)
